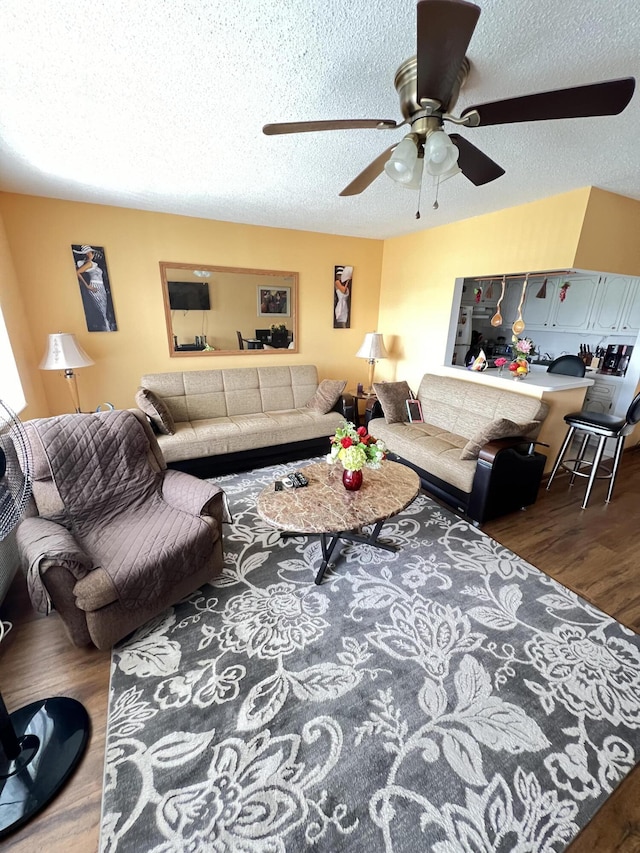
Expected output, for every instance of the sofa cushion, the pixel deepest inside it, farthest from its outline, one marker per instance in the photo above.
(155, 408)
(393, 397)
(326, 395)
(501, 428)
(431, 448)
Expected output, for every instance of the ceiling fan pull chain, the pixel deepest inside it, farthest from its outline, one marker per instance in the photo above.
(435, 204)
(419, 200)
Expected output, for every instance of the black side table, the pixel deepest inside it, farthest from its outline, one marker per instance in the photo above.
(370, 400)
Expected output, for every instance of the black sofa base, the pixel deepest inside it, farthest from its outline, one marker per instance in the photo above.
(232, 463)
(507, 479)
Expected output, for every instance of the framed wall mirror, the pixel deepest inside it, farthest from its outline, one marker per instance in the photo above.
(228, 310)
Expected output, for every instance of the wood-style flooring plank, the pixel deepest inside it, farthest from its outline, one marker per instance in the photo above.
(592, 551)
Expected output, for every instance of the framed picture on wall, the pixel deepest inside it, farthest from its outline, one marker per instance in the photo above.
(274, 303)
(93, 279)
(342, 284)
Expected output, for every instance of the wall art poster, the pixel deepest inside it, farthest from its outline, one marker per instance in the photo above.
(274, 303)
(342, 283)
(93, 278)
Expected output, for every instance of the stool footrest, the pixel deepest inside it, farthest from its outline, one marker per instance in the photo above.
(573, 466)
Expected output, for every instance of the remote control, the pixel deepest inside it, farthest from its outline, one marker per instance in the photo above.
(301, 479)
(287, 483)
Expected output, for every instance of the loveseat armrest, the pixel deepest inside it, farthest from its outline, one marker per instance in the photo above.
(42, 545)
(189, 494)
(507, 478)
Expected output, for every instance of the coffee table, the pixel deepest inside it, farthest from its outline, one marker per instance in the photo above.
(327, 509)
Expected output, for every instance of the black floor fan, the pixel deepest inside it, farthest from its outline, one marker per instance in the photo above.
(42, 743)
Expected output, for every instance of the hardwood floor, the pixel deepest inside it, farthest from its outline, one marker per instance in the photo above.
(592, 551)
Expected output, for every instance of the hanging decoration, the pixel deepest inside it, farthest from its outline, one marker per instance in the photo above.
(477, 292)
(542, 293)
(563, 291)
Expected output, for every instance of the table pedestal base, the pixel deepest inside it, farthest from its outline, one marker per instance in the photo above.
(329, 541)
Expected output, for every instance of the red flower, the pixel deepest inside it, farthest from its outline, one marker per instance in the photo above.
(362, 431)
(346, 441)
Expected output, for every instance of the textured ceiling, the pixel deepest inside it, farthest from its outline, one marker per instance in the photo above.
(159, 105)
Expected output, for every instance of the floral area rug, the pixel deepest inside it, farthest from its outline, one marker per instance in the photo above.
(446, 698)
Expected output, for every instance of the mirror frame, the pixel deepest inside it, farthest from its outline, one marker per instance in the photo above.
(293, 284)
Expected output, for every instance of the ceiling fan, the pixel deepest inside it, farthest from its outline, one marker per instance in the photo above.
(428, 85)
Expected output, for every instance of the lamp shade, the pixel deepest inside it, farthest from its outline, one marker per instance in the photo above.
(400, 165)
(373, 347)
(64, 353)
(440, 153)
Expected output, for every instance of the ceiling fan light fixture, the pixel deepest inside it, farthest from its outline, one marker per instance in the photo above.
(440, 153)
(399, 167)
(416, 176)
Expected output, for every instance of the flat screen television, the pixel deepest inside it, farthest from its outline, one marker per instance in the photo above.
(189, 295)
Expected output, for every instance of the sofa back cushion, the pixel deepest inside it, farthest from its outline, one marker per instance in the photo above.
(465, 408)
(204, 394)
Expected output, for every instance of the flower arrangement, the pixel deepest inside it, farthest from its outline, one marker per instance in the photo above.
(521, 348)
(355, 448)
(500, 362)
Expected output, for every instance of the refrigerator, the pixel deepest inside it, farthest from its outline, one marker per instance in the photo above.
(463, 335)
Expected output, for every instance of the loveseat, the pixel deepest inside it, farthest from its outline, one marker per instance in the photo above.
(212, 422)
(474, 449)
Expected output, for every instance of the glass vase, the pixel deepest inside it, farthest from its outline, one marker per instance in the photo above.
(351, 480)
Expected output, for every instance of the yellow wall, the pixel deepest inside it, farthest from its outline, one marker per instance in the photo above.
(419, 272)
(609, 241)
(40, 233)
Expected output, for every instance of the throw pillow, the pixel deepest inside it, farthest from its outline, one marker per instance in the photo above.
(156, 409)
(500, 428)
(393, 397)
(327, 395)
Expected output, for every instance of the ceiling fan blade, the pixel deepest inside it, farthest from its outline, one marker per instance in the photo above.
(475, 165)
(595, 99)
(368, 175)
(445, 28)
(344, 124)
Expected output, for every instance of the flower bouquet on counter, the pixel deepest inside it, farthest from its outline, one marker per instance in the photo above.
(355, 448)
(521, 348)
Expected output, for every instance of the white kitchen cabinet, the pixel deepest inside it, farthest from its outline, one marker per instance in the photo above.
(570, 314)
(609, 303)
(573, 313)
(601, 397)
(537, 312)
(490, 292)
(630, 320)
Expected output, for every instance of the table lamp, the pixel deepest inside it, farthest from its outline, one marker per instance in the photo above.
(372, 349)
(65, 353)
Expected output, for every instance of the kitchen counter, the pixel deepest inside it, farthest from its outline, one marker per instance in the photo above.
(537, 382)
(563, 394)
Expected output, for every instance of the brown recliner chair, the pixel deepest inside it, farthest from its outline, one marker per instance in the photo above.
(113, 537)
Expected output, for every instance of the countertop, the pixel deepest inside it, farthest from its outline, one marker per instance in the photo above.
(537, 381)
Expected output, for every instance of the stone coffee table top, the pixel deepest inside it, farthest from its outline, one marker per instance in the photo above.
(325, 506)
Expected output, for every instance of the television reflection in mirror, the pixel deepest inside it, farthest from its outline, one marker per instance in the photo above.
(189, 296)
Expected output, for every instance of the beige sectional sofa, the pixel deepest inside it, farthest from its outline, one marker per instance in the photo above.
(229, 419)
(474, 449)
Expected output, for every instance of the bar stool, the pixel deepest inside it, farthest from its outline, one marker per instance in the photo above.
(603, 427)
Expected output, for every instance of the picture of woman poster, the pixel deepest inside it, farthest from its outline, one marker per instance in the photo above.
(93, 278)
(342, 283)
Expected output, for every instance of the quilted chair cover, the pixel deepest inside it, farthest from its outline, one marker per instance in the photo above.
(133, 535)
